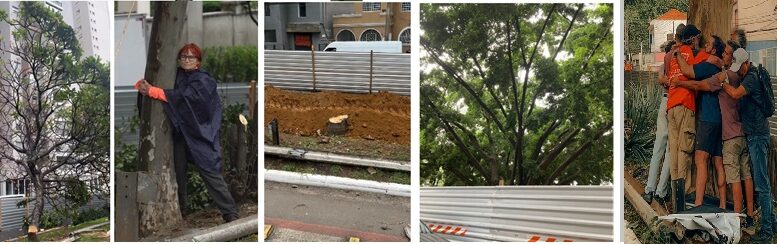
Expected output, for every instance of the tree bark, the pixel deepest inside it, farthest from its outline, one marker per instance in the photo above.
(156, 144)
(711, 17)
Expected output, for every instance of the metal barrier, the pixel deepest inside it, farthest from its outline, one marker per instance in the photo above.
(12, 217)
(341, 71)
(519, 213)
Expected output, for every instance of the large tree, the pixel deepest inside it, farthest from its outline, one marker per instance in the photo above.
(518, 93)
(156, 141)
(55, 108)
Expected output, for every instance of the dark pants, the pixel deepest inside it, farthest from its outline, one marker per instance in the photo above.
(217, 188)
(758, 147)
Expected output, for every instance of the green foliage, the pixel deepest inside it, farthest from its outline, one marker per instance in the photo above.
(474, 112)
(637, 15)
(231, 64)
(211, 6)
(76, 193)
(92, 214)
(125, 156)
(641, 101)
(197, 193)
(50, 220)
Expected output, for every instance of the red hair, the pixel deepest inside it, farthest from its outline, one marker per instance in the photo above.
(193, 48)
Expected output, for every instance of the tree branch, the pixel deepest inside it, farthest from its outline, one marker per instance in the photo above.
(583, 148)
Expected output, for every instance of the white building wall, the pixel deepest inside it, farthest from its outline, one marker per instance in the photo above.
(661, 28)
(757, 18)
(91, 22)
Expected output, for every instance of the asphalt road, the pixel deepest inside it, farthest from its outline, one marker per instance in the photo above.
(323, 214)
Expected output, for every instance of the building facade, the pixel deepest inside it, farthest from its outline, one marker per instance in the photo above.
(374, 21)
(662, 29)
(295, 26)
(91, 22)
(758, 18)
(302, 26)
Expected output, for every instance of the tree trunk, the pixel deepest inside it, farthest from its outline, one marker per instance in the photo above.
(38, 204)
(156, 144)
(711, 17)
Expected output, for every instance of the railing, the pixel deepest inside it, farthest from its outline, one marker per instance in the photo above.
(519, 213)
(340, 71)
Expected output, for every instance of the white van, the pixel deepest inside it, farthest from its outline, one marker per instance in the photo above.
(365, 46)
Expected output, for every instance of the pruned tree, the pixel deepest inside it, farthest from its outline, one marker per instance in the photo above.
(156, 141)
(55, 107)
(517, 93)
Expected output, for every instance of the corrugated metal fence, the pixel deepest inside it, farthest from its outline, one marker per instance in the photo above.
(519, 213)
(342, 71)
(12, 217)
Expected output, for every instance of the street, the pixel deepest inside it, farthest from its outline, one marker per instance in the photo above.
(302, 213)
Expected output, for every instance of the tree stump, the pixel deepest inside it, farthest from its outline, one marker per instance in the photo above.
(337, 125)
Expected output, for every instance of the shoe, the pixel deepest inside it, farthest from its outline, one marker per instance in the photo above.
(230, 218)
(749, 222)
(648, 197)
(662, 200)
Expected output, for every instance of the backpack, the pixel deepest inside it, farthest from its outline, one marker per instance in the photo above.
(766, 102)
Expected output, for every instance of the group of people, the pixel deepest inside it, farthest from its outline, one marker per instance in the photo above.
(713, 107)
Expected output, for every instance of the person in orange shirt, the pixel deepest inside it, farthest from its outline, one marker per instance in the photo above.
(681, 116)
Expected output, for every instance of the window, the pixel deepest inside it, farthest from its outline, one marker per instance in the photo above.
(370, 7)
(303, 10)
(269, 36)
(404, 37)
(16, 187)
(406, 7)
(266, 9)
(346, 35)
(370, 35)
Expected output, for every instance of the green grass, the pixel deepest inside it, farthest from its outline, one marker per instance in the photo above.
(336, 169)
(93, 237)
(61, 233)
(401, 177)
(362, 174)
(289, 167)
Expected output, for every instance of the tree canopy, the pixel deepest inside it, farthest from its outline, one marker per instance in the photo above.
(516, 92)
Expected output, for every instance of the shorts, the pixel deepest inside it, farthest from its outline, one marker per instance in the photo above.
(709, 138)
(736, 160)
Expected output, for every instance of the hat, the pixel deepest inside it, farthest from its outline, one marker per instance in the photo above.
(740, 56)
(690, 31)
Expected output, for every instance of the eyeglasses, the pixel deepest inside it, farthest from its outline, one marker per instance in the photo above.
(187, 58)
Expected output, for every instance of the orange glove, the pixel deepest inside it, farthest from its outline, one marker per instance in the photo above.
(152, 91)
(157, 93)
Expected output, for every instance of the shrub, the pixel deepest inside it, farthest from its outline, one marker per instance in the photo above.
(641, 100)
(231, 64)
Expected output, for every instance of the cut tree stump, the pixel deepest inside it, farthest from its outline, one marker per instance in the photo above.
(337, 125)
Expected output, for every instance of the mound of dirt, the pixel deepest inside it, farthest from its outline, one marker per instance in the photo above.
(379, 116)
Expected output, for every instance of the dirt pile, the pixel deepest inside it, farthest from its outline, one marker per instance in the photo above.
(380, 116)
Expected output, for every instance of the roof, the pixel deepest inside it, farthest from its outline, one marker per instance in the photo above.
(673, 14)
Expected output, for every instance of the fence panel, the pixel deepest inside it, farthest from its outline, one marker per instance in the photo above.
(341, 71)
(519, 213)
